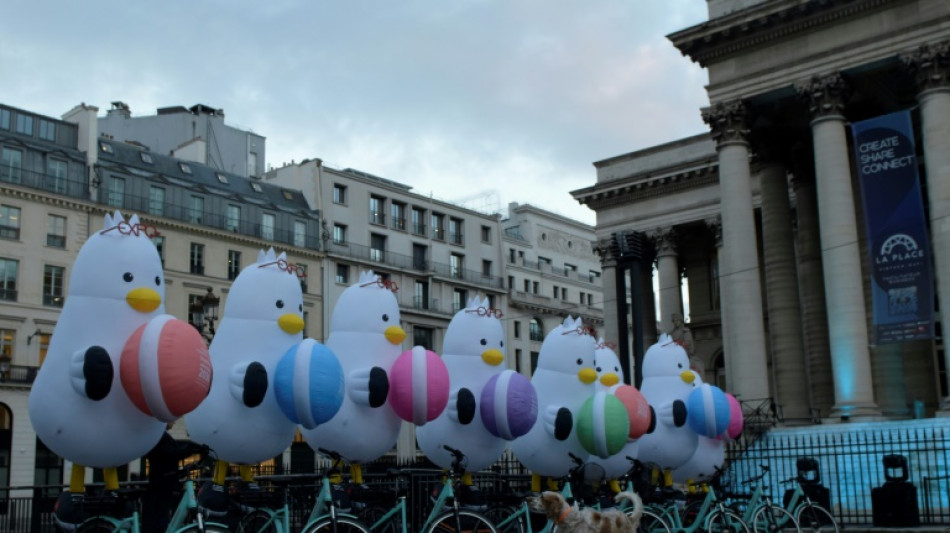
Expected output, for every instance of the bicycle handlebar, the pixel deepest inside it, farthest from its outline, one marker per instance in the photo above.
(456, 467)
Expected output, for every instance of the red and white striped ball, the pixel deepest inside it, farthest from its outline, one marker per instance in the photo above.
(509, 405)
(638, 410)
(165, 368)
(418, 385)
(735, 417)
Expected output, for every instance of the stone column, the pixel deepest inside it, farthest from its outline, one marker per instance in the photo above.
(608, 280)
(668, 272)
(841, 260)
(931, 65)
(715, 225)
(812, 294)
(781, 295)
(743, 284)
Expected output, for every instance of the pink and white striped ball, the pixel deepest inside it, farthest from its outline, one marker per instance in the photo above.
(418, 386)
(509, 405)
(165, 368)
(736, 421)
(638, 410)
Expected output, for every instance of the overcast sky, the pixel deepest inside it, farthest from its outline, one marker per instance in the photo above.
(507, 100)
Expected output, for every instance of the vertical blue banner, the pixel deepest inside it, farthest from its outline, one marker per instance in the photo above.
(901, 276)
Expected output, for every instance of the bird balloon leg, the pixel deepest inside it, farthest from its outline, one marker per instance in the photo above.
(667, 478)
(535, 483)
(552, 484)
(77, 479)
(615, 486)
(356, 473)
(110, 476)
(220, 472)
(467, 479)
(247, 474)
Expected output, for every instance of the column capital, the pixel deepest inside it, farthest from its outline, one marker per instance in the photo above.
(826, 95)
(714, 223)
(729, 121)
(664, 241)
(930, 65)
(606, 249)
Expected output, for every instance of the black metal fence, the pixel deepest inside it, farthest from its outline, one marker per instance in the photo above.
(850, 457)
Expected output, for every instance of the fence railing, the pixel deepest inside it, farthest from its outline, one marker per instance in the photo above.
(850, 463)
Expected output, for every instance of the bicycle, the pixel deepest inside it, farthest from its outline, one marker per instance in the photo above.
(711, 516)
(809, 514)
(760, 511)
(187, 518)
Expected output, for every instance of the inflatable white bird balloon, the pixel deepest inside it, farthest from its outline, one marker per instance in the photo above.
(609, 377)
(473, 352)
(263, 318)
(563, 380)
(77, 404)
(366, 337)
(710, 454)
(667, 382)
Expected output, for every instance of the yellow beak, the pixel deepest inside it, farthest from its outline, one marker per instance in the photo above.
(610, 379)
(395, 334)
(687, 376)
(143, 299)
(587, 375)
(493, 356)
(291, 323)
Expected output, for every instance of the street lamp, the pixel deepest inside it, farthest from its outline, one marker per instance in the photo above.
(204, 310)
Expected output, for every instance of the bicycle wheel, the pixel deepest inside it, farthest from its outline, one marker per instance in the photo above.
(468, 522)
(772, 518)
(371, 514)
(725, 522)
(96, 525)
(497, 514)
(813, 517)
(652, 523)
(344, 524)
(259, 521)
(209, 528)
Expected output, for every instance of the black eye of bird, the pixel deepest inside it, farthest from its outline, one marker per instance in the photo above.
(385, 318)
(128, 277)
(598, 369)
(158, 281)
(300, 307)
(616, 369)
(483, 342)
(502, 344)
(580, 361)
(679, 365)
(279, 304)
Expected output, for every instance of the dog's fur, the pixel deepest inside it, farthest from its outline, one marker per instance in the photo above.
(572, 520)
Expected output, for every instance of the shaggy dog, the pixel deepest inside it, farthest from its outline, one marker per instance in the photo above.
(572, 520)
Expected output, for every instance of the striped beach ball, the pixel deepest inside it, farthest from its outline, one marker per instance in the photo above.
(603, 424)
(308, 384)
(509, 405)
(708, 410)
(418, 385)
(165, 368)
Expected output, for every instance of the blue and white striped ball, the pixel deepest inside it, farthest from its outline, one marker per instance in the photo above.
(708, 411)
(308, 384)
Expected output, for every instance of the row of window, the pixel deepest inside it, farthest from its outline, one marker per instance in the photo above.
(23, 124)
(196, 260)
(416, 222)
(195, 211)
(10, 220)
(545, 263)
(11, 169)
(53, 278)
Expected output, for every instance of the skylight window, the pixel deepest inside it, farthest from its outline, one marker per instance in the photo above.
(107, 148)
(185, 169)
(146, 157)
(256, 187)
(288, 195)
(222, 178)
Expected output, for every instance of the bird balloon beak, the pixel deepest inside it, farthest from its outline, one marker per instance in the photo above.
(395, 334)
(610, 379)
(587, 375)
(291, 323)
(687, 376)
(493, 356)
(143, 299)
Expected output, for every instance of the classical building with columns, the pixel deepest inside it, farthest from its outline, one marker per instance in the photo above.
(763, 213)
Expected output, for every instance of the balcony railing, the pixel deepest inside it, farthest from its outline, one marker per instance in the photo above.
(419, 229)
(19, 374)
(77, 188)
(408, 262)
(377, 217)
(399, 223)
(8, 295)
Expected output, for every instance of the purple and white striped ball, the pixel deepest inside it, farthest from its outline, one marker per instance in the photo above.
(708, 411)
(509, 405)
(418, 385)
